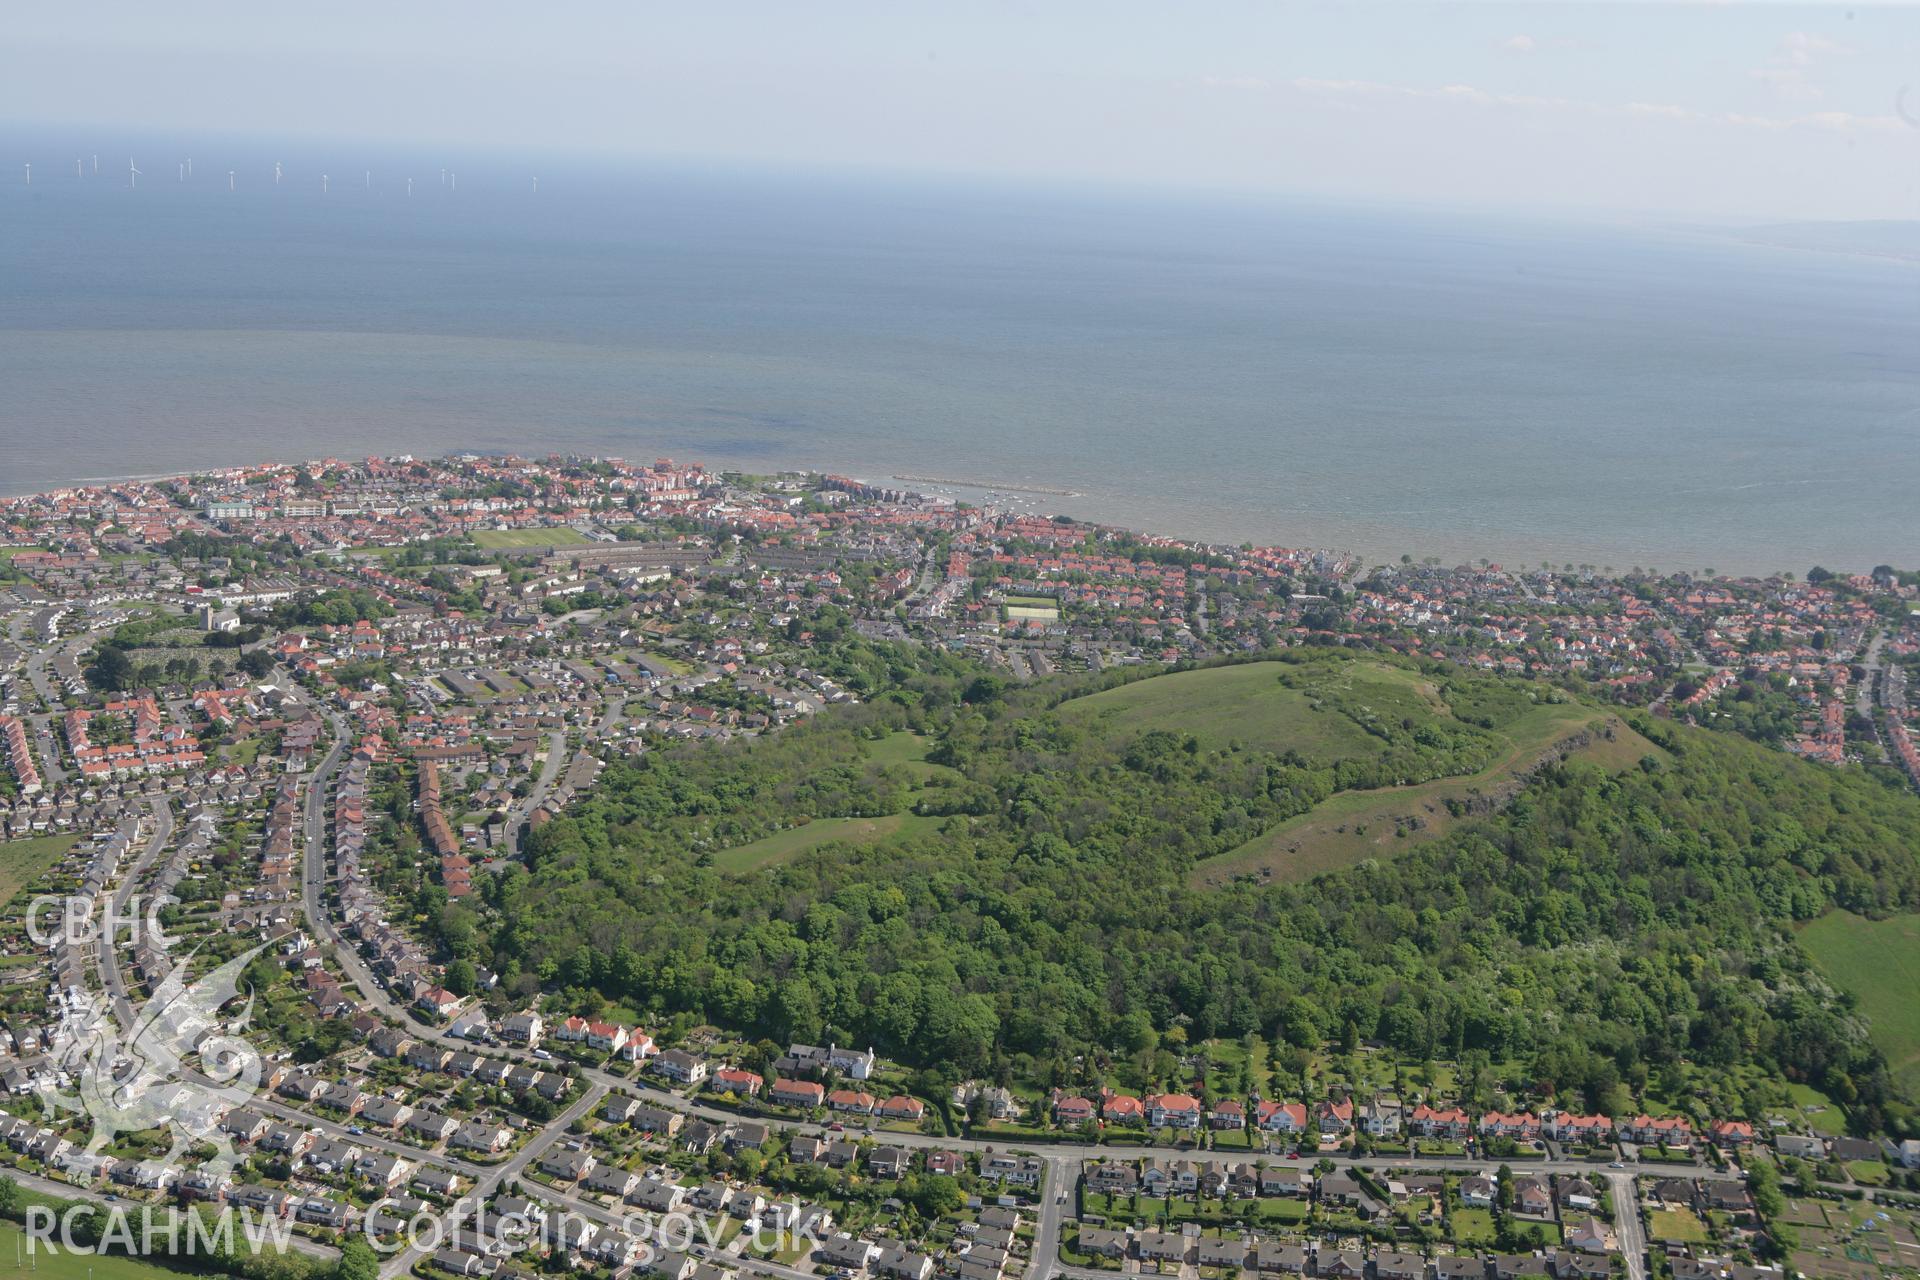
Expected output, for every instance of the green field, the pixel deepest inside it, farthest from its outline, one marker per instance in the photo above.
(22, 861)
(906, 750)
(1352, 711)
(63, 1265)
(1878, 961)
(556, 537)
(1676, 1224)
(782, 845)
(1220, 705)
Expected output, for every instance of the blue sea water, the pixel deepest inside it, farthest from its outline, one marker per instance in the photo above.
(1433, 383)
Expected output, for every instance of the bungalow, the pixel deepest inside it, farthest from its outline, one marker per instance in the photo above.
(901, 1107)
(1575, 1265)
(1342, 1264)
(737, 1081)
(796, 1093)
(1274, 1259)
(1460, 1266)
(1805, 1146)
(847, 1252)
(384, 1112)
(1589, 1235)
(480, 1135)
(1102, 1243)
(436, 1182)
(382, 1170)
(1226, 1251)
(1391, 1265)
(901, 1263)
(568, 1166)
(946, 1164)
(656, 1195)
(431, 1125)
(1519, 1266)
(1163, 1246)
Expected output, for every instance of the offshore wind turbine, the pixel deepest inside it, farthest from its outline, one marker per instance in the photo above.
(189, 166)
(276, 173)
(323, 184)
(369, 179)
(536, 186)
(229, 179)
(133, 174)
(96, 164)
(183, 173)
(76, 168)
(453, 182)
(29, 173)
(409, 188)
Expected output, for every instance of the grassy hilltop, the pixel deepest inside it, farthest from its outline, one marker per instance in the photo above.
(1320, 845)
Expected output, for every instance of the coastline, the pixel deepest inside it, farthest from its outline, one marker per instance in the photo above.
(1136, 513)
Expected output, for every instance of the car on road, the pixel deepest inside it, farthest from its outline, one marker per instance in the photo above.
(543, 1055)
(1616, 1165)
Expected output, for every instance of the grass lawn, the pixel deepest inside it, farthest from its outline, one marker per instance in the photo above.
(80, 1266)
(1879, 962)
(1471, 1226)
(557, 537)
(1868, 1173)
(22, 861)
(906, 750)
(782, 845)
(1676, 1224)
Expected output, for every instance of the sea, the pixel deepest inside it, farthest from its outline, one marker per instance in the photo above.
(1392, 381)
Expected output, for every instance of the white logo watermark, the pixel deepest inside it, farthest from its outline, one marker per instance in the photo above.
(139, 1078)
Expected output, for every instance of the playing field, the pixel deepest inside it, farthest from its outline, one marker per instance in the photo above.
(1879, 962)
(556, 537)
(22, 861)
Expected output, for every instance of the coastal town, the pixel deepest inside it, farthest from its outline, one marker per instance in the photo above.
(268, 717)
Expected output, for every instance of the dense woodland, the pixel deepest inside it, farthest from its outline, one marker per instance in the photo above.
(1598, 929)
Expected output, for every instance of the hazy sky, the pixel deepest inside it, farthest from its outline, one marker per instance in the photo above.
(1760, 110)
